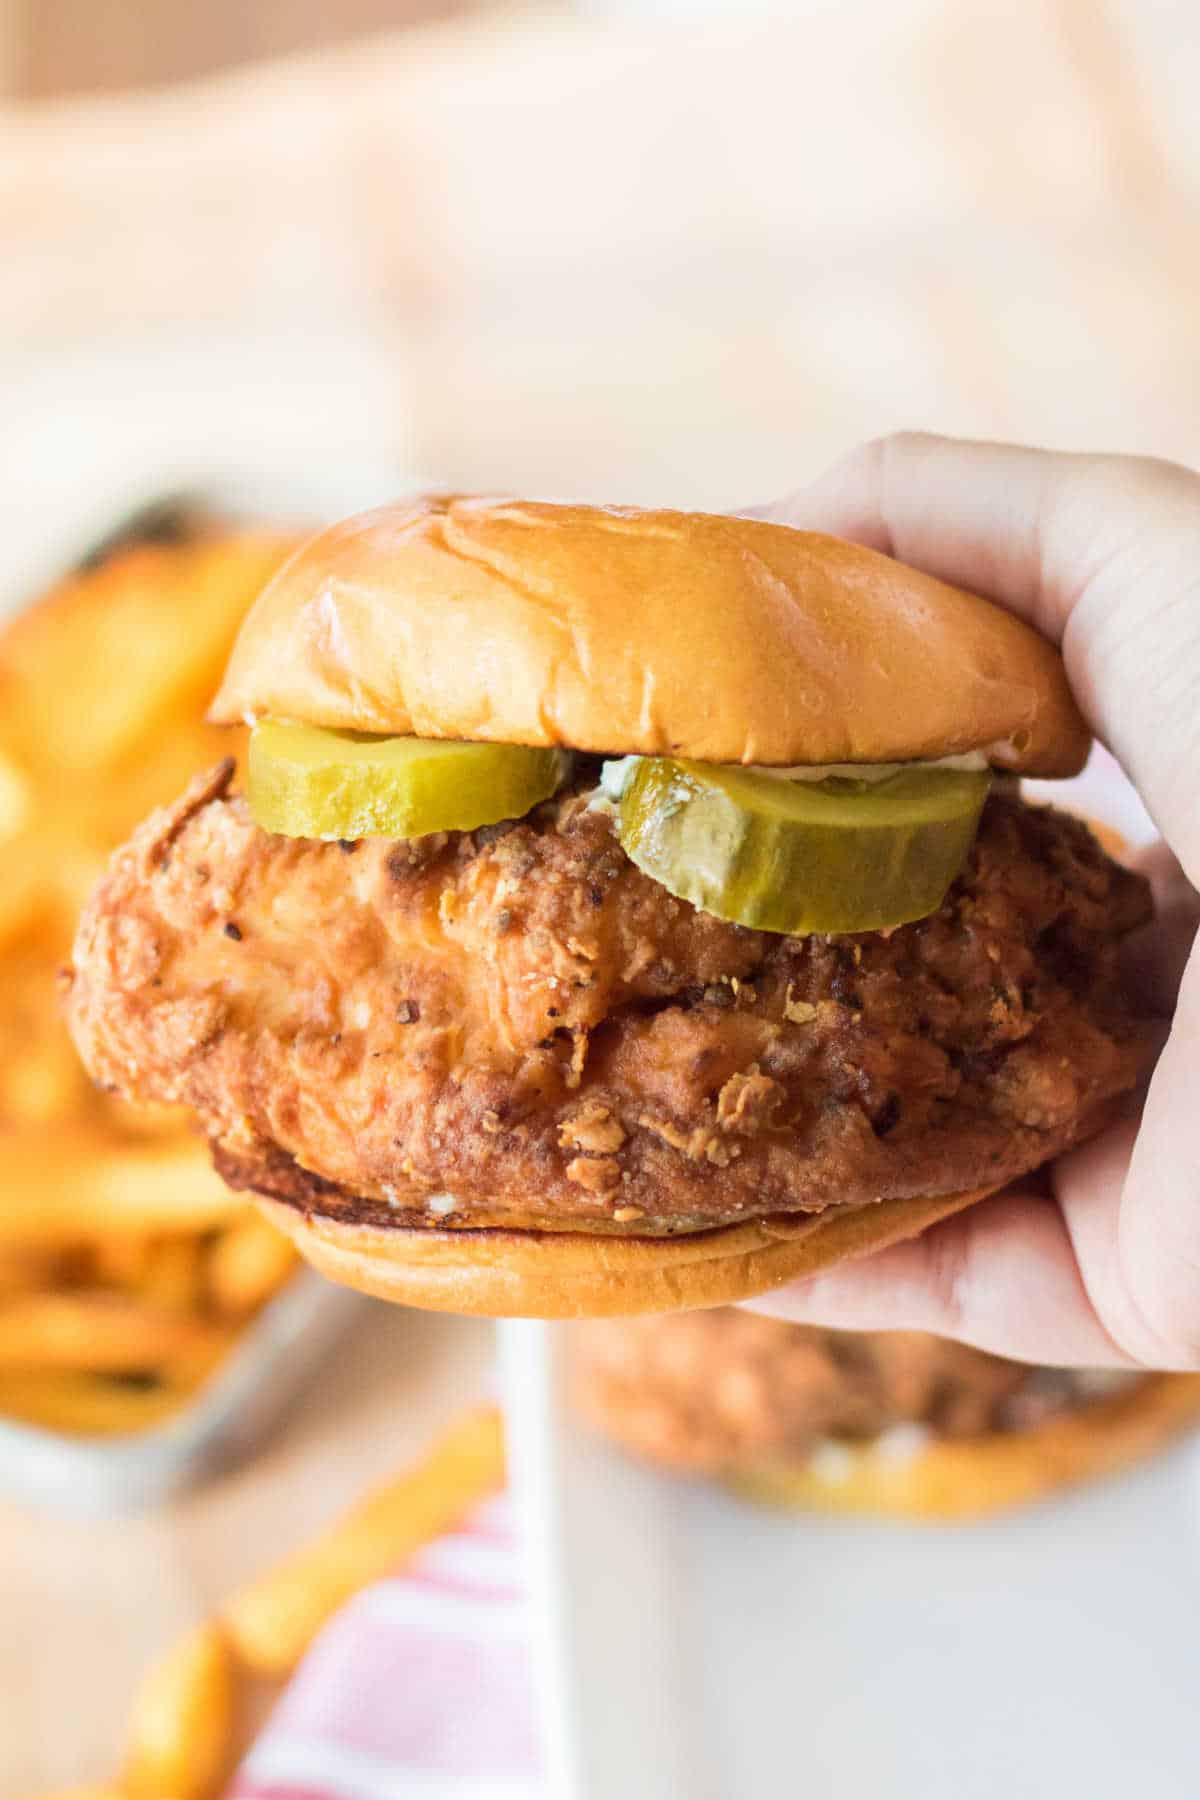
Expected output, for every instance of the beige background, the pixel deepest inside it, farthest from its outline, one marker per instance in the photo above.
(568, 257)
(625, 259)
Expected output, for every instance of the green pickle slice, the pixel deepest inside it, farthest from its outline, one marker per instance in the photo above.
(801, 856)
(306, 781)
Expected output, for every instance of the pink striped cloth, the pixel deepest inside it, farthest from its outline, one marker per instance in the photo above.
(422, 1686)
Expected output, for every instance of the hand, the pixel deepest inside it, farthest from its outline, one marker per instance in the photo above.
(1101, 554)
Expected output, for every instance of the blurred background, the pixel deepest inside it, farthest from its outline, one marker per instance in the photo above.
(298, 257)
(635, 251)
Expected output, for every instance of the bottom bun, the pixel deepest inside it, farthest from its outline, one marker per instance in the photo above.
(967, 1478)
(571, 1275)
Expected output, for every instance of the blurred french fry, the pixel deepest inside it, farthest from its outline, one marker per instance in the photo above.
(173, 1276)
(26, 894)
(164, 1189)
(20, 1271)
(16, 800)
(37, 1089)
(78, 867)
(41, 1079)
(69, 1189)
(119, 1262)
(248, 1263)
(132, 1121)
(86, 1405)
(142, 783)
(272, 1621)
(180, 1741)
(163, 616)
(107, 1334)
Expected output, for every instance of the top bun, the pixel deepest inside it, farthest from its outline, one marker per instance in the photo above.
(618, 630)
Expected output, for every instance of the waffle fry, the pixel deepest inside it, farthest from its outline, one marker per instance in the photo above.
(246, 1264)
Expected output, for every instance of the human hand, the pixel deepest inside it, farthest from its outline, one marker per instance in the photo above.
(1101, 554)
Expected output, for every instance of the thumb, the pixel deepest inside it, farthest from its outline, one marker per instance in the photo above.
(1100, 553)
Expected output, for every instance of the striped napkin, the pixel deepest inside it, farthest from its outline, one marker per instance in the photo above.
(421, 1687)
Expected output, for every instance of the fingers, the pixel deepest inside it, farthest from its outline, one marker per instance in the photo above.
(1100, 553)
(1138, 1238)
(1153, 959)
(1001, 1275)
(971, 513)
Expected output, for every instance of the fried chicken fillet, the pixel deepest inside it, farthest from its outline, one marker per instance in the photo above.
(516, 1026)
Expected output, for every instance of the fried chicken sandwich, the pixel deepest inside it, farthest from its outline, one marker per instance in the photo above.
(623, 911)
(894, 1423)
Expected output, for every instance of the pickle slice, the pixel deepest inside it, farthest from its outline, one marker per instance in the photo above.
(305, 781)
(796, 856)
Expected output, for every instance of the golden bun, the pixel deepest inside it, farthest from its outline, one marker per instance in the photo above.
(613, 629)
(573, 1275)
(967, 1478)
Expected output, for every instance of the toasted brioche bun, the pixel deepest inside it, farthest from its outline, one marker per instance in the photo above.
(615, 630)
(574, 1275)
(966, 1478)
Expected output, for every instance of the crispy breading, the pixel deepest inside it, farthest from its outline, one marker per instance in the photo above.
(521, 1020)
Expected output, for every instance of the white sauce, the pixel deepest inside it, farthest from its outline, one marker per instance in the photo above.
(831, 1462)
(616, 775)
(971, 762)
(901, 1444)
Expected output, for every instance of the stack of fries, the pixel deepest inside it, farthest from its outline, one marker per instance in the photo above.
(127, 1269)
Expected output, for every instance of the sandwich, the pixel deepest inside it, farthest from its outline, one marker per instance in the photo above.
(622, 910)
(895, 1424)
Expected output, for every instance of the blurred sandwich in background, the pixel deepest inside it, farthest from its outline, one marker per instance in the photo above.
(888, 1423)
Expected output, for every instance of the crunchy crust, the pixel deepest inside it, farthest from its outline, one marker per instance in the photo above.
(971, 1477)
(603, 628)
(519, 1026)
